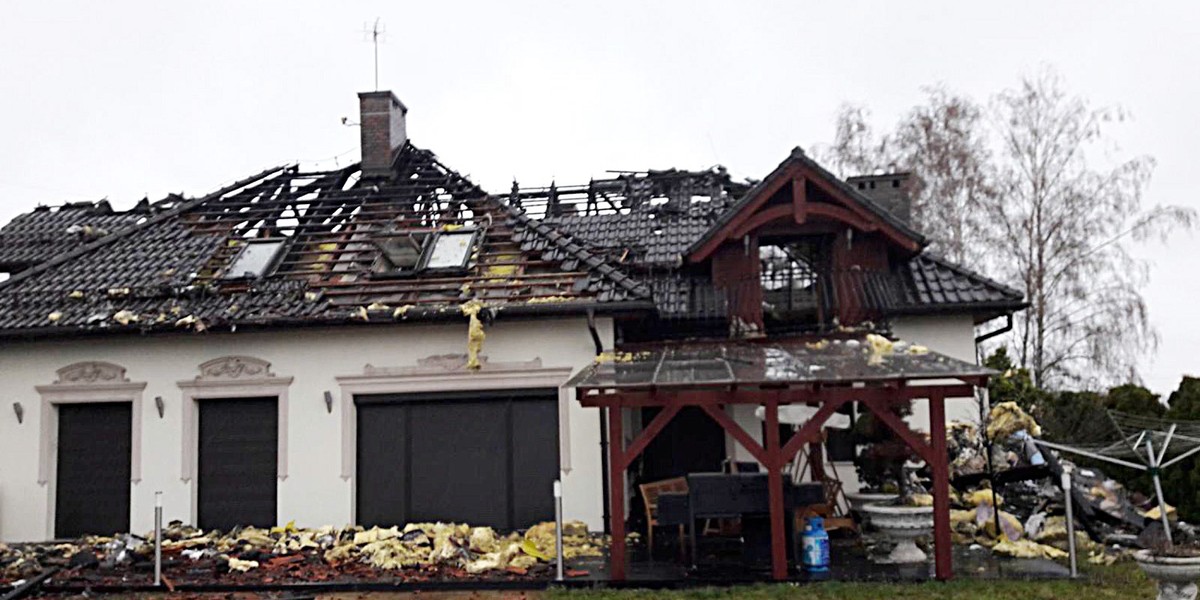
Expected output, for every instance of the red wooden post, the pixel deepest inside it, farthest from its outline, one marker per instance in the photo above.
(616, 493)
(943, 562)
(779, 566)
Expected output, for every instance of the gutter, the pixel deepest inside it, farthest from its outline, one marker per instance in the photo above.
(991, 334)
(416, 315)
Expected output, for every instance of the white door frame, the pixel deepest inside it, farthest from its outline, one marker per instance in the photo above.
(89, 382)
(230, 377)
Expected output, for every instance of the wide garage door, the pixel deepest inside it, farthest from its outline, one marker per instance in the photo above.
(93, 469)
(485, 458)
(238, 458)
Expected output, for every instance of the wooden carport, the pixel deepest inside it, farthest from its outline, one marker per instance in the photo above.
(825, 372)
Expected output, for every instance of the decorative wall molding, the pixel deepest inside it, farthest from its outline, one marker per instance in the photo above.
(234, 368)
(90, 372)
(440, 364)
(445, 373)
(231, 377)
(81, 383)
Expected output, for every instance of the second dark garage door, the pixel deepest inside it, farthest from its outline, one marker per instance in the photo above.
(484, 458)
(238, 457)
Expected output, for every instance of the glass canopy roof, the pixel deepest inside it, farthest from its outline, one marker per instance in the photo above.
(771, 364)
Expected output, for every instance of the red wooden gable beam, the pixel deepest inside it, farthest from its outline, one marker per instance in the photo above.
(849, 210)
(775, 213)
(717, 414)
(799, 200)
(819, 209)
(654, 428)
(790, 395)
(900, 428)
(811, 431)
(772, 186)
(865, 214)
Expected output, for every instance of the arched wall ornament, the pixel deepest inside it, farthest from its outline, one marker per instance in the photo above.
(90, 372)
(230, 377)
(234, 367)
(82, 383)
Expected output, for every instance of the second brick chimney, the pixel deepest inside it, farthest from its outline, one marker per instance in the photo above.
(381, 118)
(892, 191)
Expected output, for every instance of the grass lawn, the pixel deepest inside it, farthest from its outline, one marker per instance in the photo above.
(1123, 580)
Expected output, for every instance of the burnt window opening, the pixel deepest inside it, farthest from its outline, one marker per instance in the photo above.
(790, 276)
(401, 251)
(255, 259)
(450, 249)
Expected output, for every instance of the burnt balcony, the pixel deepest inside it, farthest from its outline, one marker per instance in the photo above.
(793, 300)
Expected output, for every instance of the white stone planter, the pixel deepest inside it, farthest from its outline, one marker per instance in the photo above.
(858, 500)
(1176, 577)
(903, 524)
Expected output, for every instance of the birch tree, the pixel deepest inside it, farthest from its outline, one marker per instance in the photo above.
(941, 143)
(1059, 226)
(1030, 189)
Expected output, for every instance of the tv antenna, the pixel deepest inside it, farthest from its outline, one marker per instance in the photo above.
(377, 33)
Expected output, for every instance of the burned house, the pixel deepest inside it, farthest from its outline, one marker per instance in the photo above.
(388, 342)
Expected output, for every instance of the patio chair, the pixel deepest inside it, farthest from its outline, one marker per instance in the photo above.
(650, 493)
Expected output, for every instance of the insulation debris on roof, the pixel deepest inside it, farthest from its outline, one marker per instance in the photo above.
(338, 248)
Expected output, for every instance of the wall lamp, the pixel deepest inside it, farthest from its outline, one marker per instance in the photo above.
(329, 402)
(20, 410)
(158, 403)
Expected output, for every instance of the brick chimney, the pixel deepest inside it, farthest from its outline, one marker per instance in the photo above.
(889, 190)
(381, 118)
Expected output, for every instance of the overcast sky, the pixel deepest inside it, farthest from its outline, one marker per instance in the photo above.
(125, 100)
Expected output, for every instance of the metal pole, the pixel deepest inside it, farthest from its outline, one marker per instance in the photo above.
(1115, 461)
(158, 512)
(558, 530)
(1067, 497)
(1162, 503)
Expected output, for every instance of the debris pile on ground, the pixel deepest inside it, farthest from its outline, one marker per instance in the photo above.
(288, 553)
(1025, 517)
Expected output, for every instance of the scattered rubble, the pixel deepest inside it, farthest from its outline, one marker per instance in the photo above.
(1024, 517)
(416, 551)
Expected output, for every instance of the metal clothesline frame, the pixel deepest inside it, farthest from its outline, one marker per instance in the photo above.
(1153, 464)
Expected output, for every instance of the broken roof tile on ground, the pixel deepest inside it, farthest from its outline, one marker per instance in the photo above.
(280, 555)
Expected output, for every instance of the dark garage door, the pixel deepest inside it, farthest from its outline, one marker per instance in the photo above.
(238, 457)
(482, 458)
(93, 470)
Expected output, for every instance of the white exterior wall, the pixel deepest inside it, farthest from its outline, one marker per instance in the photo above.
(952, 335)
(314, 492)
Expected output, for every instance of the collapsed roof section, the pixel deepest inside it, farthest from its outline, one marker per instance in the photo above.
(313, 248)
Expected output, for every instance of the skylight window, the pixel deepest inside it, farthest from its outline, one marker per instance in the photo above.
(450, 249)
(402, 251)
(255, 259)
(410, 253)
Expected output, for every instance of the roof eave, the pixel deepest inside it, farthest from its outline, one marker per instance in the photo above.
(445, 314)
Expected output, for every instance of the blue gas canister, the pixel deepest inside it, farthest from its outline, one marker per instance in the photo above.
(816, 546)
